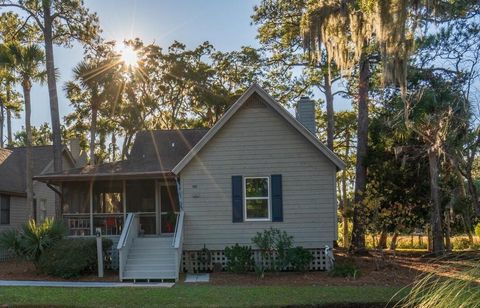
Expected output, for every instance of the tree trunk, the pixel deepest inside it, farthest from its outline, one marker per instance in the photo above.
(382, 242)
(330, 112)
(52, 92)
(2, 122)
(346, 200)
(448, 232)
(9, 117)
(393, 243)
(114, 146)
(358, 232)
(29, 158)
(93, 131)
(435, 212)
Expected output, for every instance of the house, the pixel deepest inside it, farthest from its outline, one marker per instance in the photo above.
(181, 191)
(14, 211)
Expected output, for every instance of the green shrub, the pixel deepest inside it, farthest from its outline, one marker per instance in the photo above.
(32, 240)
(239, 259)
(70, 258)
(274, 245)
(461, 243)
(345, 269)
(477, 229)
(299, 258)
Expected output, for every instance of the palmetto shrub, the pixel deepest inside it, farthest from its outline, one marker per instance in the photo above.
(32, 240)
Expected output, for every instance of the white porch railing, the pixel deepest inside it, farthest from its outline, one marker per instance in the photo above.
(177, 242)
(130, 231)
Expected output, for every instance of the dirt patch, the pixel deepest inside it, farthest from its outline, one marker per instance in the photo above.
(23, 270)
(376, 269)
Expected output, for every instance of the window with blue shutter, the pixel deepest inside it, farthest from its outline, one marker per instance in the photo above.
(237, 198)
(277, 197)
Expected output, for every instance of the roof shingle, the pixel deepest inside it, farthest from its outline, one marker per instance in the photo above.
(153, 153)
(13, 166)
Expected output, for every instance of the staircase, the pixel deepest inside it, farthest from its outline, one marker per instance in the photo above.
(151, 258)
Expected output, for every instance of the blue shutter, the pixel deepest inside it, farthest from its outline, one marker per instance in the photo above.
(277, 199)
(237, 198)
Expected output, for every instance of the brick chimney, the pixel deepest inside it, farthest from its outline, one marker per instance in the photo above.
(305, 113)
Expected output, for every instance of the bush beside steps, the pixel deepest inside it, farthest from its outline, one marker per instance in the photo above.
(71, 258)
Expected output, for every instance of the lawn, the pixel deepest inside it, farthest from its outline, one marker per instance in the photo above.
(195, 296)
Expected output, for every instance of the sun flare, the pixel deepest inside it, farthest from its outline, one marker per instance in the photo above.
(128, 56)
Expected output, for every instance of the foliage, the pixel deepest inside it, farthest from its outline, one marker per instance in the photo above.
(239, 259)
(70, 258)
(40, 136)
(439, 291)
(33, 240)
(346, 269)
(461, 243)
(299, 258)
(274, 245)
(477, 230)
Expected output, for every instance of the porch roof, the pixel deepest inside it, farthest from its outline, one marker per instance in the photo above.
(154, 154)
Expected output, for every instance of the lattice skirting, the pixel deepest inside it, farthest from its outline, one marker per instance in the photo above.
(112, 255)
(191, 263)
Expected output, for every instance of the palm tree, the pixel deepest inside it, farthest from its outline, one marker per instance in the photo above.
(27, 63)
(93, 85)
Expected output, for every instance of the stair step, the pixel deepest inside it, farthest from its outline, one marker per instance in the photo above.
(150, 262)
(147, 267)
(169, 274)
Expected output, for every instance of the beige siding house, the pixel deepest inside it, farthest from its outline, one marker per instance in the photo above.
(14, 211)
(185, 191)
(258, 142)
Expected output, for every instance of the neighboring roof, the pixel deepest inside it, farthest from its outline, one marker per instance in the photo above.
(154, 153)
(275, 106)
(13, 167)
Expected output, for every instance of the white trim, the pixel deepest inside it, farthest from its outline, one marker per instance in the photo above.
(245, 198)
(275, 106)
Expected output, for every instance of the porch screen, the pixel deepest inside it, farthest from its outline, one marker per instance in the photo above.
(108, 207)
(76, 207)
(75, 198)
(107, 197)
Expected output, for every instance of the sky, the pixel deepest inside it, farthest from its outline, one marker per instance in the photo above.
(224, 23)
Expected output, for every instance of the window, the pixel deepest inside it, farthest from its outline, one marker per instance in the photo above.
(4, 210)
(257, 199)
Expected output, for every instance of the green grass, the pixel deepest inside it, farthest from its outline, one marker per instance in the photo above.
(195, 296)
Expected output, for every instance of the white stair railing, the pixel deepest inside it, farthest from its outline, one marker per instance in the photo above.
(177, 242)
(129, 233)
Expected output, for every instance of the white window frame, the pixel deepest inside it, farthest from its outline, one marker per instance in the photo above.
(245, 198)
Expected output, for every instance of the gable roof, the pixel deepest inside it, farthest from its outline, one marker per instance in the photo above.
(154, 153)
(276, 107)
(13, 167)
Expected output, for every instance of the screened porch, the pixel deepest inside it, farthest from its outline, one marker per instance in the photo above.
(104, 204)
